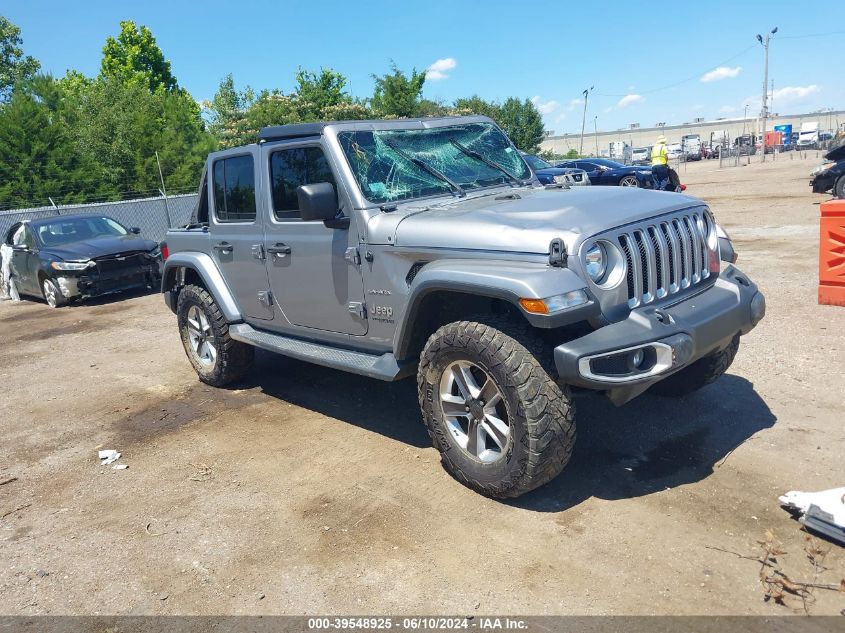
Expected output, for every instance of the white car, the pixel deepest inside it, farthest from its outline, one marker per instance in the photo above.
(674, 150)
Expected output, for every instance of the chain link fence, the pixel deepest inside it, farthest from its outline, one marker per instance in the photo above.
(152, 215)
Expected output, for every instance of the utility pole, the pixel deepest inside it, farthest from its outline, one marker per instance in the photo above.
(763, 110)
(596, 131)
(584, 118)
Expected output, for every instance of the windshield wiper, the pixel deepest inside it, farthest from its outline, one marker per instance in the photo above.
(456, 188)
(473, 154)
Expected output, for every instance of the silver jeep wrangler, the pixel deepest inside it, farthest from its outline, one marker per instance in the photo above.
(428, 247)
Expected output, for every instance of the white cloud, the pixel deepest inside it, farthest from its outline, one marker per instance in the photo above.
(574, 103)
(440, 69)
(794, 93)
(545, 107)
(722, 72)
(631, 99)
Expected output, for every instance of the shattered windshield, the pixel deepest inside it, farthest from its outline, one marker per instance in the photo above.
(392, 165)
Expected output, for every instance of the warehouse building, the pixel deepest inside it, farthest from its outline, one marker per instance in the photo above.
(636, 136)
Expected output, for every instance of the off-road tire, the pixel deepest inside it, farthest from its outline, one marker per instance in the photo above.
(234, 359)
(541, 415)
(702, 372)
(52, 295)
(839, 188)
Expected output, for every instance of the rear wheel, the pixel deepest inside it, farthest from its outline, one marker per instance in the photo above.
(629, 181)
(52, 295)
(217, 358)
(501, 423)
(702, 372)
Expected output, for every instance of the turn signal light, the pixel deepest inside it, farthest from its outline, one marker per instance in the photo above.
(534, 306)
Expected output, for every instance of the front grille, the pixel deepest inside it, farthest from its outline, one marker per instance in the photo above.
(666, 257)
(121, 263)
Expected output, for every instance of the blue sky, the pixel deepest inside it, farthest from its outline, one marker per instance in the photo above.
(647, 61)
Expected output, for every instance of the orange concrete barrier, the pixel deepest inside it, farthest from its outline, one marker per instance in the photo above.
(832, 253)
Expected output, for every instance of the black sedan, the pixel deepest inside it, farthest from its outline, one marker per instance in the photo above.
(831, 175)
(602, 171)
(71, 257)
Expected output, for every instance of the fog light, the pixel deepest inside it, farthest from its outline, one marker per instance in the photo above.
(637, 358)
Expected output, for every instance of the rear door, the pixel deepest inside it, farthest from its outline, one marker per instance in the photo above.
(237, 238)
(315, 272)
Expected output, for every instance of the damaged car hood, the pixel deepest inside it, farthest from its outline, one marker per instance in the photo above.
(100, 247)
(526, 220)
(837, 153)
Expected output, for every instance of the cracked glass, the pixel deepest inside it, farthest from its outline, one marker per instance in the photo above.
(394, 165)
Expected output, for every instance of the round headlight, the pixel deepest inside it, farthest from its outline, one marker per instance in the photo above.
(596, 262)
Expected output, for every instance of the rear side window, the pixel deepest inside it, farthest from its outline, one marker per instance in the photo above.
(291, 168)
(234, 189)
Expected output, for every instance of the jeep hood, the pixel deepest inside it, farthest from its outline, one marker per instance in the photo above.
(527, 224)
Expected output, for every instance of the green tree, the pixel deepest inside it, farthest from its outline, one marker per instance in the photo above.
(315, 93)
(227, 113)
(477, 105)
(134, 56)
(37, 158)
(397, 95)
(573, 153)
(14, 66)
(522, 122)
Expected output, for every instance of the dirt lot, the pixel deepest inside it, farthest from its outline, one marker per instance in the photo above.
(312, 491)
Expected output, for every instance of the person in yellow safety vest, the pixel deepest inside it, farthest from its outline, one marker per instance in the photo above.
(660, 163)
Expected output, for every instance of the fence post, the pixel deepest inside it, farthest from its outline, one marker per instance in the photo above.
(163, 192)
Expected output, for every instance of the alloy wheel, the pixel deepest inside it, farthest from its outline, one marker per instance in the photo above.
(475, 412)
(629, 181)
(201, 337)
(50, 293)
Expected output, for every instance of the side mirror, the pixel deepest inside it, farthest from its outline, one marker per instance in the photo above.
(135, 230)
(20, 248)
(317, 201)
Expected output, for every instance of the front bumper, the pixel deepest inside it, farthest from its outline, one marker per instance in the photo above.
(822, 182)
(92, 284)
(670, 338)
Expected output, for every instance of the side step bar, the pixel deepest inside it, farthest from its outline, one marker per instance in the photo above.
(383, 367)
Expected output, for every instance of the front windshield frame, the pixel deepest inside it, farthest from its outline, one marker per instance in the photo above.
(398, 180)
(39, 230)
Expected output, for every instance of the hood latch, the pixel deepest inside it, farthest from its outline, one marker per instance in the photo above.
(557, 253)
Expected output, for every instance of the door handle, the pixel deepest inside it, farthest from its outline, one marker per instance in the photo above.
(279, 250)
(223, 247)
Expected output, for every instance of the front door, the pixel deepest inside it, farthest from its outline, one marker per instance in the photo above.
(237, 233)
(314, 273)
(25, 261)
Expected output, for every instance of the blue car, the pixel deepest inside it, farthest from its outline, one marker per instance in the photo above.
(549, 175)
(602, 171)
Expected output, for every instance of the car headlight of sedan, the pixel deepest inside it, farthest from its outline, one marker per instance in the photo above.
(595, 262)
(822, 168)
(66, 266)
(561, 179)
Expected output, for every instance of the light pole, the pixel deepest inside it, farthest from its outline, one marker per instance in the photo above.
(596, 131)
(763, 110)
(584, 118)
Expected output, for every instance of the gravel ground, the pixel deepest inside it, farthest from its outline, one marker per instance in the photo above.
(311, 491)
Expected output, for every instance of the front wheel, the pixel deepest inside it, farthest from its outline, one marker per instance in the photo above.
(217, 358)
(839, 188)
(52, 295)
(501, 423)
(629, 181)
